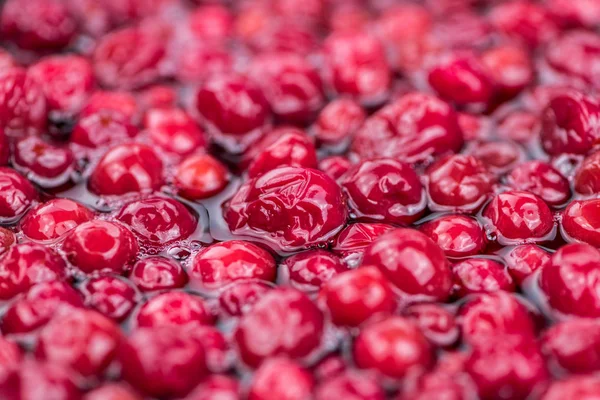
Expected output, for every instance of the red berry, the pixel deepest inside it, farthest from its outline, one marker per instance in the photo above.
(122, 102)
(520, 126)
(524, 260)
(101, 246)
(239, 297)
(384, 190)
(54, 218)
(574, 56)
(577, 13)
(112, 391)
(519, 216)
(573, 345)
(338, 121)
(113, 296)
(103, 128)
(283, 322)
(414, 128)
(498, 156)
(580, 221)
(158, 221)
(334, 166)
(352, 241)
(157, 273)
(211, 22)
(457, 235)
(510, 68)
(22, 103)
(395, 347)
(577, 386)
(309, 270)
(174, 130)
(541, 179)
(46, 164)
(38, 380)
(436, 322)
(215, 387)
(397, 252)
(174, 308)
(7, 239)
(480, 275)
(82, 340)
(350, 385)
(355, 296)
(280, 378)
(587, 178)
(290, 207)
(201, 176)
(529, 22)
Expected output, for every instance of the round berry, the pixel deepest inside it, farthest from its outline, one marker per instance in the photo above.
(16, 193)
(510, 68)
(587, 178)
(280, 378)
(541, 179)
(103, 128)
(239, 297)
(523, 260)
(437, 323)
(573, 345)
(158, 273)
(174, 130)
(200, 176)
(54, 218)
(574, 57)
(22, 103)
(480, 275)
(110, 295)
(352, 241)
(335, 166)
(174, 308)
(576, 386)
(457, 235)
(309, 270)
(338, 121)
(580, 221)
(350, 385)
(46, 164)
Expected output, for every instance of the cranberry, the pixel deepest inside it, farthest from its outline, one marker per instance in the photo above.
(158, 220)
(211, 22)
(526, 21)
(280, 378)
(38, 305)
(486, 316)
(174, 131)
(26, 264)
(394, 347)
(309, 270)
(582, 386)
(201, 176)
(350, 386)
(22, 103)
(541, 179)
(338, 121)
(356, 66)
(38, 24)
(507, 368)
(439, 384)
(461, 29)
(112, 391)
(283, 147)
(122, 102)
(395, 254)
(587, 178)
(290, 207)
(520, 126)
(352, 241)
(334, 166)
(457, 235)
(49, 165)
(66, 80)
(284, 36)
(102, 128)
(100, 246)
(73, 339)
(573, 345)
(174, 308)
(239, 297)
(147, 365)
(157, 273)
(580, 221)
(524, 260)
(355, 296)
(38, 380)
(384, 190)
(158, 97)
(498, 156)
(575, 56)
(570, 124)
(479, 275)
(414, 128)
(7, 239)
(54, 218)
(112, 296)
(129, 58)
(510, 68)
(197, 61)
(283, 322)
(215, 387)
(519, 216)
(290, 84)
(437, 324)
(462, 79)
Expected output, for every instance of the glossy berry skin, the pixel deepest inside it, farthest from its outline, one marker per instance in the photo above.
(72, 340)
(393, 347)
(580, 222)
(290, 84)
(280, 378)
(541, 179)
(523, 260)
(119, 101)
(574, 58)
(519, 216)
(352, 241)
(570, 124)
(174, 130)
(437, 323)
(22, 103)
(200, 176)
(335, 166)
(587, 177)
(157, 273)
(66, 80)
(498, 156)
(38, 305)
(140, 169)
(26, 264)
(110, 295)
(309, 270)
(338, 121)
(103, 128)
(356, 296)
(412, 140)
(290, 207)
(458, 183)
(567, 280)
(101, 246)
(239, 297)
(158, 221)
(223, 263)
(283, 147)
(384, 190)
(16, 193)
(479, 275)
(283, 322)
(573, 345)
(510, 68)
(54, 218)
(174, 308)
(395, 254)
(350, 385)
(162, 362)
(457, 235)
(46, 164)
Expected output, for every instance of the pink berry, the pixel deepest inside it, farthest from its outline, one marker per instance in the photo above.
(348, 386)
(587, 179)
(352, 241)
(573, 345)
